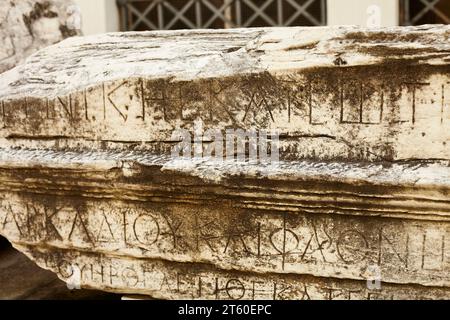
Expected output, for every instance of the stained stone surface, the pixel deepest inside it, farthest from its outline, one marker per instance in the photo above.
(29, 25)
(90, 188)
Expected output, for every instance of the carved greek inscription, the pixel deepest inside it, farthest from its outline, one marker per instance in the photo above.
(165, 99)
(163, 279)
(258, 105)
(418, 101)
(95, 104)
(246, 102)
(361, 103)
(220, 105)
(315, 118)
(269, 242)
(125, 100)
(298, 100)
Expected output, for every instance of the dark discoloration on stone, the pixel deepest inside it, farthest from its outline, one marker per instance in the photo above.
(67, 32)
(308, 46)
(381, 36)
(40, 10)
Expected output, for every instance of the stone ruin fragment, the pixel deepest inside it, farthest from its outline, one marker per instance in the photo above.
(357, 207)
(29, 25)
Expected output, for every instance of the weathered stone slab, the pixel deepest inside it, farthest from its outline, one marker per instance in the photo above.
(238, 238)
(88, 178)
(29, 25)
(167, 280)
(334, 94)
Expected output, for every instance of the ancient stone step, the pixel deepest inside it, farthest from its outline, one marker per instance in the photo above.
(93, 190)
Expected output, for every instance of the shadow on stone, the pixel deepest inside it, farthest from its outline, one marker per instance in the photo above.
(4, 243)
(21, 279)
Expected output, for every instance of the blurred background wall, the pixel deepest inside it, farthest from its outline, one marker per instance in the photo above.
(135, 15)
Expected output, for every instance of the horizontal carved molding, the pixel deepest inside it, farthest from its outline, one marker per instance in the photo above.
(166, 280)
